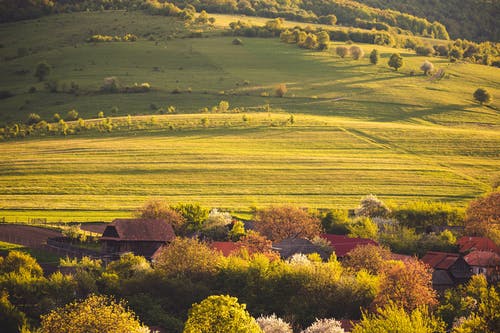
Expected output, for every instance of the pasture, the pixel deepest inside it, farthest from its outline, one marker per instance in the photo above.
(358, 128)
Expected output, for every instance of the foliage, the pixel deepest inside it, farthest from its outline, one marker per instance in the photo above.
(33, 118)
(19, 263)
(94, 314)
(336, 221)
(372, 206)
(324, 326)
(342, 51)
(363, 227)
(472, 307)
(406, 284)
(186, 257)
(42, 70)
(374, 57)
(422, 215)
(11, 319)
(427, 67)
(216, 225)
(482, 217)
(237, 231)
(393, 318)
(71, 115)
(220, 313)
(193, 213)
(356, 52)
(368, 257)
(395, 61)
(157, 209)
(482, 96)
(281, 90)
(128, 265)
(273, 324)
(282, 222)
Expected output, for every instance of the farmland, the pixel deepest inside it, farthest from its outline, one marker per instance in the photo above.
(357, 128)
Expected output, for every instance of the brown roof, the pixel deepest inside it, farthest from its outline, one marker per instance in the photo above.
(440, 260)
(469, 244)
(483, 259)
(139, 230)
(226, 248)
(342, 244)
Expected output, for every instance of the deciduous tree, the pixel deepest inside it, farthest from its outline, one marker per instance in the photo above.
(278, 223)
(482, 217)
(342, 51)
(374, 57)
(220, 313)
(156, 209)
(396, 61)
(482, 96)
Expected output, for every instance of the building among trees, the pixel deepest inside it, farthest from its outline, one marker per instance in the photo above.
(143, 237)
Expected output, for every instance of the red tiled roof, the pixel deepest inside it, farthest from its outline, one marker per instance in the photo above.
(343, 244)
(440, 260)
(400, 257)
(139, 230)
(483, 259)
(226, 248)
(468, 244)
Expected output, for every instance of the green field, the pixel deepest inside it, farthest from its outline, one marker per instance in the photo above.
(358, 129)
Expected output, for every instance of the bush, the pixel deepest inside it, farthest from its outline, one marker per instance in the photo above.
(281, 90)
(237, 41)
(5, 94)
(71, 115)
(33, 118)
(42, 70)
(342, 51)
(374, 57)
(424, 50)
(427, 67)
(325, 326)
(356, 52)
(110, 85)
(396, 61)
(274, 324)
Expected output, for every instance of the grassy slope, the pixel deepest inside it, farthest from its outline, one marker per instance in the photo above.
(359, 128)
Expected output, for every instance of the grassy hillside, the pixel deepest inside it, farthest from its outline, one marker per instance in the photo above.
(358, 128)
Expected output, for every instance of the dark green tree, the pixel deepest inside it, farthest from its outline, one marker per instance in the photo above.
(42, 70)
(482, 96)
(374, 57)
(396, 61)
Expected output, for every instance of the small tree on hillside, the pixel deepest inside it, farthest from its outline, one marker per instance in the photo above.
(281, 90)
(325, 326)
(156, 209)
(372, 206)
(42, 70)
(427, 67)
(483, 217)
(396, 61)
(482, 96)
(323, 40)
(374, 57)
(274, 324)
(221, 313)
(356, 52)
(342, 51)
(71, 115)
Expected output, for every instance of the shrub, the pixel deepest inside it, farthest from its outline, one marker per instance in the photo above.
(424, 50)
(281, 90)
(100, 114)
(220, 313)
(42, 70)
(56, 117)
(372, 206)
(237, 41)
(33, 118)
(273, 324)
(396, 61)
(110, 85)
(427, 67)
(374, 57)
(356, 52)
(71, 115)
(342, 51)
(5, 94)
(325, 326)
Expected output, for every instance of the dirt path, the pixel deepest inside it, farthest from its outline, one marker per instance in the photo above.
(26, 235)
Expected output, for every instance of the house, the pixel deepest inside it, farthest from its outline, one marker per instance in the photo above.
(469, 244)
(290, 246)
(141, 236)
(342, 244)
(450, 269)
(226, 248)
(486, 263)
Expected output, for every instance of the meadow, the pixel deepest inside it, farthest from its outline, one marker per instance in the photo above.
(357, 128)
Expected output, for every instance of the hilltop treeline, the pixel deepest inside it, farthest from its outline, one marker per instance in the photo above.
(470, 19)
(345, 12)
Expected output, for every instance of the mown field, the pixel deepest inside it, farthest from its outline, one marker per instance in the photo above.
(358, 128)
